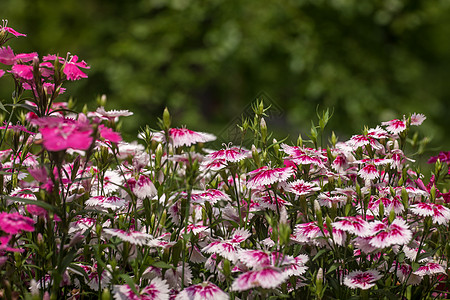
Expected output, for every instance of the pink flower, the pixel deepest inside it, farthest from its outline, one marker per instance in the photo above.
(61, 133)
(385, 235)
(157, 289)
(354, 225)
(204, 291)
(302, 188)
(444, 157)
(2, 73)
(109, 135)
(4, 28)
(13, 223)
(24, 72)
(185, 137)
(111, 114)
(438, 213)
(8, 57)
(143, 187)
(133, 237)
(395, 126)
(369, 172)
(362, 279)
(265, 176)
(267, 278)
(389, 203)
(232, 154)
(358, 141)
(417, 119)
(4, 240)
(210, 195)
(430, 268)
(111, 202)
(71, 66)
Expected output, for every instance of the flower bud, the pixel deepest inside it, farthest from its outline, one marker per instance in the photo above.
(263, 127)
(166, 119)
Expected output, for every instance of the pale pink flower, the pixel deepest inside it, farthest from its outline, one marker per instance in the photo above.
(82, 225)
(417, 119)
(110, 114)
(157, 289)
(185, 137)
(353, 225)
(267, 278)
(363, 244)
(389, 203)
(133, 237)
(404, 273)
(438, 213)
(239, 235)
(13, 223)
(385, 235)
(173, 276)
(265, 176)
(111, 202)
(362, 279)
(395, 126)
(223, 248)
(297, 267)
(230, 154)
(302, 188)
(93, 277)
(430, 268)
(214, 165)
(202, 291)
(329, 201)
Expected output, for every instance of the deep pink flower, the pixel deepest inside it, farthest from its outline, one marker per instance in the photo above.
(13, 223)
(2, 73)
(71, 66)
(61, 133)
(438, 213)
(267, 278)
(8, 57)
(362, 279)
(444, 157)
(109, 135)
(4, 240)
(4, 28)
(265, 176)
(202, 291)
(385, 235)
(302, 188)
(157, 289)
(24, 72)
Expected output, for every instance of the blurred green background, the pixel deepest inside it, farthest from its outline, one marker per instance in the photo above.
(369, 61)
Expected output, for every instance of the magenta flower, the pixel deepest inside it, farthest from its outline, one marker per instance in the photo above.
(385, 235)
(204, 291)
(444, 157)
(2, 73)
(265, 176)
(4, 28)
(13, 223)
(267, 278)
(362, 279)
(71, 67)
(8, 57)
(24, 72)
(157, 289)
(302, 188)
(4, 240)
(438, 213)
(61, 133)
(109, 135)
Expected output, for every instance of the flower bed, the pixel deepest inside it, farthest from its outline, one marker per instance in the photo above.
(84, 214)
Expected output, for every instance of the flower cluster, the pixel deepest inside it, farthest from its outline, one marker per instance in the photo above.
(85, 214)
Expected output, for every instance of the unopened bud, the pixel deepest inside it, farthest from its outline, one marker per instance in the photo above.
(166, 119)
(263, 127)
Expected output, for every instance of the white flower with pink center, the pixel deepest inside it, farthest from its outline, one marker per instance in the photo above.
(133, 237)
(302, 188)
(184, 137)
(378, 133)
(362, 279)
(224, 249)
(231, 154)
(267, 278)
(438, 213)
(395, 126)
(369, 172)
(358, 141)
(329, 201)
(265, 176)
(354, 225)
(111, 202)
(389, 203)
(385, 235)
(239, 235)
(202, 291)
(210, 195)
(297, 266)
(430, 268)
(157, 289)
(143, 187)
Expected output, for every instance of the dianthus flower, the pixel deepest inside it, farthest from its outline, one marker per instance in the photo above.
(205, 291)
(362, 279)
(13, 223)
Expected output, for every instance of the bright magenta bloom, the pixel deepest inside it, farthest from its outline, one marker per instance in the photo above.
(61, 133)
(2, 73)
(109, 135)
(4, 28)
(71, 66)
(362, 279)
(13, 223)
